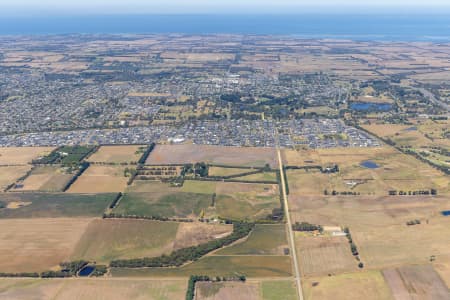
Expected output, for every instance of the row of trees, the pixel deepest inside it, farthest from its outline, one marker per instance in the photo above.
(181, 256)
(432, 192)
(305, 226)
(116, 200)
(147, 152)
(353, 247)
(198, 169)
(344, 193)
(138, 217)
(81, 168)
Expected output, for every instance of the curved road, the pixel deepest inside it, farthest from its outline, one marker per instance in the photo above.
(290, 231)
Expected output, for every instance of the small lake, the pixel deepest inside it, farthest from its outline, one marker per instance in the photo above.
(414, 128)
(86, 271)
(369, 164)
(446, 213)
(370, 106)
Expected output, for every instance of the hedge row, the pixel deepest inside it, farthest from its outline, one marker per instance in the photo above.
(146, 154)
(83, 167)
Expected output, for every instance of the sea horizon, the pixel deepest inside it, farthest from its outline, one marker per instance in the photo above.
(382, 27)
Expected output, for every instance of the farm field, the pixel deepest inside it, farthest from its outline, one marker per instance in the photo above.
(46, 179)
(278, 290)
(227, 291)
(154, 198)
(124, 239)
(246, 200)
(368, 285)
(241, 156)
(323, 255)
(29, 245)
(45, 205)
(442, 266)
(9, 175)
(114, 289)
(393, 171)
(251, 266)
(300, 157)
(100, 179)
(177, 204)
(219, 171)
(251, 289)
(21, 155)
(416, 282)
(263, 240)
(424, 138)
(265, 176)
(378, 225)
(233, 200)
(117, 154)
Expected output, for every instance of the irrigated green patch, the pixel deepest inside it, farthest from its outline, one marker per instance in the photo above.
(278, 290)
(252, 266)
(43, 205)
(264, 239)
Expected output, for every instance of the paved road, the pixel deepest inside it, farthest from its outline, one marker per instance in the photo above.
(290, 231)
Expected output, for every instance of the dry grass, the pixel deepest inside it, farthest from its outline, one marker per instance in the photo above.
(116, 154)
(191, 234)
(300, 157)
(416, 282)
(378, 225)
(21, 155)
(38, 244)
(396, 171)
(245, 156)
(100, 179)
(369, 285)
(108, 239)
(442, 266)
(323, 255)
(9, 175)
(105, 240)
(46, 178)
(98, 288)
(384, 130)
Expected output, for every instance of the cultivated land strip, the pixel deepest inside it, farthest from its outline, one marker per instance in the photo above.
(290, 231)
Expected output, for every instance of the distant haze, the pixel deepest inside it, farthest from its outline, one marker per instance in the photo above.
(27, 7)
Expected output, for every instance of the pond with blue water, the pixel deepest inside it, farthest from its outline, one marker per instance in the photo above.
(370, 106)
(86, 271)
(369, 164)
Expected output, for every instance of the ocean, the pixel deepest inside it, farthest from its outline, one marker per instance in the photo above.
(414, 27)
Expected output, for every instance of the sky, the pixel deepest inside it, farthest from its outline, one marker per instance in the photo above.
(212, 6)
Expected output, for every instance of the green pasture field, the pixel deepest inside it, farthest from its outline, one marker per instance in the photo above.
(263, 240)
(251, 266)
(278, 290)
(110, 239)
(46, 205)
